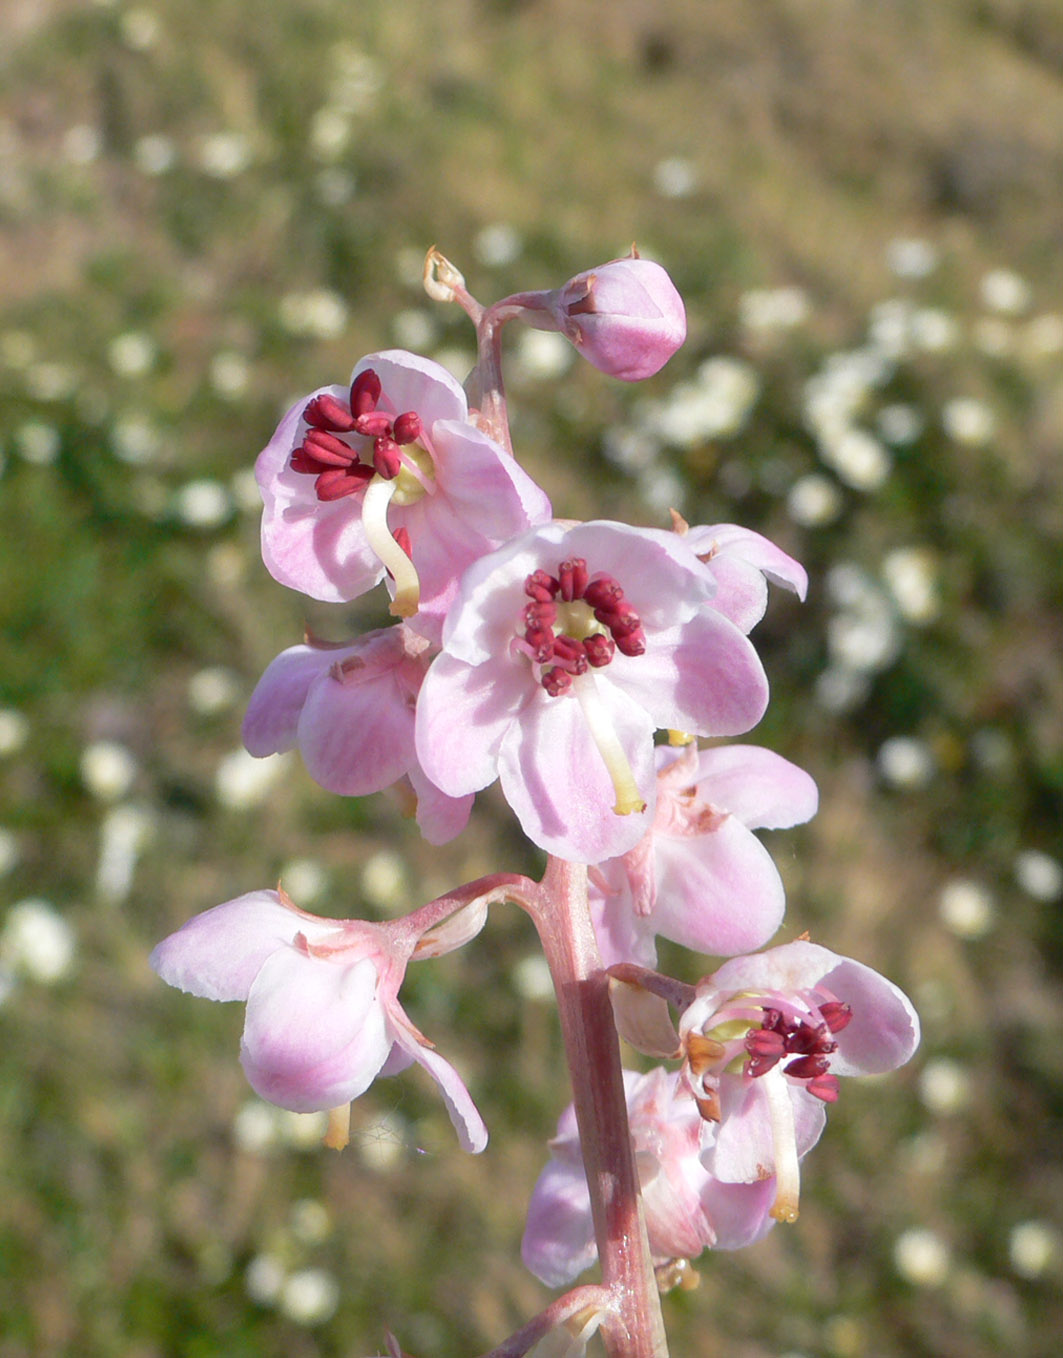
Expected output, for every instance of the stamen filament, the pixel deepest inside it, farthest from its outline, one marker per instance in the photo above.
(375, 521)
(784, 1139)
(603, 733)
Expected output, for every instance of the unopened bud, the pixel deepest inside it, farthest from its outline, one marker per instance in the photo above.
(625, 317)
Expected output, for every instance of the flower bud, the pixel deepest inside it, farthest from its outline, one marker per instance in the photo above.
(625, 317)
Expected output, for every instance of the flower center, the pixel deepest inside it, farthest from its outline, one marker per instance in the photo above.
(398, 470)
(575, 623)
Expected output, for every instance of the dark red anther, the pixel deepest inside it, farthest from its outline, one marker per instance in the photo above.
(571, 654)
(540, 615)
(568, 573)
(766, 1042)
(604, 592)
(760, 1065)
(622, 622)
(556, 682)
(387, 457)
(408, 427)
(365, 392)
(373, 425)
(325, 412)
(541, 586)
(337, 482)
(327, 449)
(600, 649)
(541, 641)
(402, 537)
(635, 644)
(773, 1019)
(807, 1067)
(836, 1015)
(824, 1087)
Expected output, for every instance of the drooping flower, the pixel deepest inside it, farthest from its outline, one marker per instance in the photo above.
(391, 476)
(323, 1017)
(687, 1209)
(700, 877)
(625, 317)
(562, 653)
(764, 1043)
(741, 563)
(350, 710)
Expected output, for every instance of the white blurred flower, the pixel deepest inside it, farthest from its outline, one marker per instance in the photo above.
(212, 690)
(911, 257)
(125, 831)
(814, 501)
(921, 1257)
(50, 381)
(140, 29)
(135, 440)
(497, 245)
(108, 769)
(132, 354)
(541, 356)
(318, 314)
(330, 132)
(763, 309)
(9, 854)
(230, 373)
(1039, 875)
(154, 153)
(82, 144)
(532, 979)
(203, 503)
(384, 881)
(414, 328)
(716, 404)
(1043, 336)
(304, 879)
(264, 1279)
(674, 177)
(1033, 1247)
(1006, 291)
(933, 330)
(458, 362)
(14, 730)
(944, 1086)
(224, 155)
(38, 443)
(967, 420)
(302, 1131)
(384, 1145)
(899, 424)
(662, 488)
(37, 942)
(890, 326)
(994, 336)
(310, 1297)
(857, 458)
(310, 1221)
(630, 449)
(242, 782)
(255, 1127)
(839, 689)
(911, 575)
(967, 908)
(357, 80)
(905, 762)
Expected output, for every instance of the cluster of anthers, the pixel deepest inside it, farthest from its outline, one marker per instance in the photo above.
(575, 623)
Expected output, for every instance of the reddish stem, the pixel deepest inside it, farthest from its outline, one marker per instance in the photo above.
(634, 1327)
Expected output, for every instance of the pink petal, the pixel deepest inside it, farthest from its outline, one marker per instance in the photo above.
(356, 734)
(409, 382)
(703, 677)
(315, 1035)
(884, 1029)
(717, 893)
(469, 1125)
(740, 1213)
(745, 1150)
(741, 591)
(439, 817)
(759, 787)
(272, 717)
(730, 541)
(463, 713)
(556, 782)
(558, 1239)
(218, 954)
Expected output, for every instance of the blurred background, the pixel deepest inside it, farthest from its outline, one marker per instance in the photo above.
(208, 209)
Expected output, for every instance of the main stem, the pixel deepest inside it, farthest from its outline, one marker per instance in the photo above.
(634, 1327)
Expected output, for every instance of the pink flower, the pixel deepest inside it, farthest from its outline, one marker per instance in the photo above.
(687, 1209)
(625, 317)
(350, 710)
(323, 1016)
(701, 877)
(564, 650)
(765, 1041)
(389, 475)
(741, 563)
